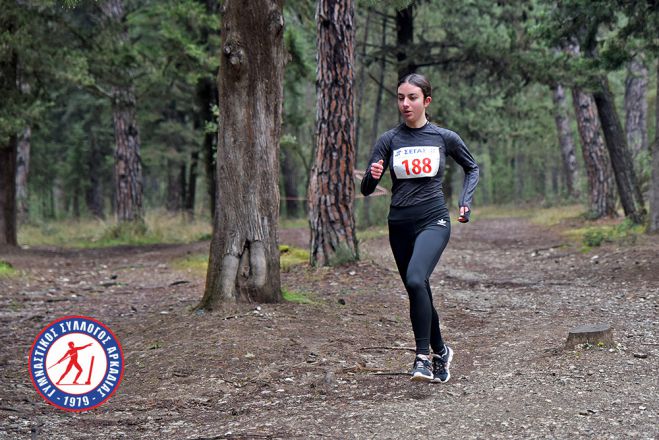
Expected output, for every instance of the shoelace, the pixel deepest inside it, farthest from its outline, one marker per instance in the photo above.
(439, 364)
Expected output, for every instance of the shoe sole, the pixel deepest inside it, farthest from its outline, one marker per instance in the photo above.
(421, 378)
(448, 365)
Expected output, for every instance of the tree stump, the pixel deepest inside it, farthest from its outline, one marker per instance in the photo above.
(596, 334)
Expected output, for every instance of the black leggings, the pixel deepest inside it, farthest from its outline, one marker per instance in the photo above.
(417, 245)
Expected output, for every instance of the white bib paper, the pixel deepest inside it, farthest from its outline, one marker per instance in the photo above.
(413, 162)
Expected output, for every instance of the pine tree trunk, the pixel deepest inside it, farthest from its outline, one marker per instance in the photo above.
(94, 195)
(565, 141)
(8, 232)
(601, 188)
(8, 146)
(290, 175)
(621, 158)
(127, 162)
(361, 84)
(331, 191)
(404, 40)
(636, 106)
(654, 191)
(191, 192)
(207, 97)
(244, 254)
(22, 171)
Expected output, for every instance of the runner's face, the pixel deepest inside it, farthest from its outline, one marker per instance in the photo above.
(412, 105)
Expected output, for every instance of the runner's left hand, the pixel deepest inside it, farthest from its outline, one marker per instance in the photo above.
(465, 213)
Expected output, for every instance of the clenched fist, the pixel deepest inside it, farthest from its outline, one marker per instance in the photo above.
(377, 168)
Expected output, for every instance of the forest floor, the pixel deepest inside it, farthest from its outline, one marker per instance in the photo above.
(508, 292)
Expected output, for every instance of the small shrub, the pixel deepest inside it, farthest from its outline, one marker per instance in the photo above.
(594, 238)
(6, 269)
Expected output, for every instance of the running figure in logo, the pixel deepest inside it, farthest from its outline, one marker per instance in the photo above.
(72, 355)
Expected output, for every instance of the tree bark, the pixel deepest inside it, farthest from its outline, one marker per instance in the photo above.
(207, 98)
(22, 172)
(636, 106)
(621, 159)
(8, 232)
(601, 184)
(404, 40)
(565, 141)
(174, 195)
(601, 190)
(8, 146)
(191, 192)
(290, 176)
(361, 83)
(654, 191)
(331, 192)
(244, 254)
(127, 162)
(94, 194)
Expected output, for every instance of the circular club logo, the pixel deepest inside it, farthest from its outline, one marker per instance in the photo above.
(76, 363)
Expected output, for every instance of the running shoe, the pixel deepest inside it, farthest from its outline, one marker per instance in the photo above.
(441, 364)
(422, 370)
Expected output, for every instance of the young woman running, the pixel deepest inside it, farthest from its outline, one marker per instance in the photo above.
(419, 224)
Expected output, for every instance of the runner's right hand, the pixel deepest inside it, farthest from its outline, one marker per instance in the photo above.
(377, 168)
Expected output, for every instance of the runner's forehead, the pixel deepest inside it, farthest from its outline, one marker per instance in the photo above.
(407, 89)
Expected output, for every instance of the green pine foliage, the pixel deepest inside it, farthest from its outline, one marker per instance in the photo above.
(492, 65)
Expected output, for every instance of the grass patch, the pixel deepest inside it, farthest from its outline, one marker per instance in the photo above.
(197, 264)
(297, 297)
(159, 227)
(591, 236)
(7, 270)
(290, 256)
(539, 216)
(372, 233)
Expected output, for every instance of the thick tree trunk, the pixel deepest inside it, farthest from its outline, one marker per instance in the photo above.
(22, 171)
(621, 158)
(601, 189)
(404, 40)
(636, 106)
(244, 254)
(654, 191)
(565, 141)
(331, 191)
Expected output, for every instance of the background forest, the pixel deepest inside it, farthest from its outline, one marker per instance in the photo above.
(507, 77)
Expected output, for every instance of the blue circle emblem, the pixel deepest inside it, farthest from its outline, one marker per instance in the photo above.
(76, 363)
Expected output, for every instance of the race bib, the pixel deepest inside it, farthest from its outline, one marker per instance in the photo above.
(413, 162)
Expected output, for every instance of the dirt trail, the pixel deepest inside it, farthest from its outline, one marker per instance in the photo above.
(508, 293)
